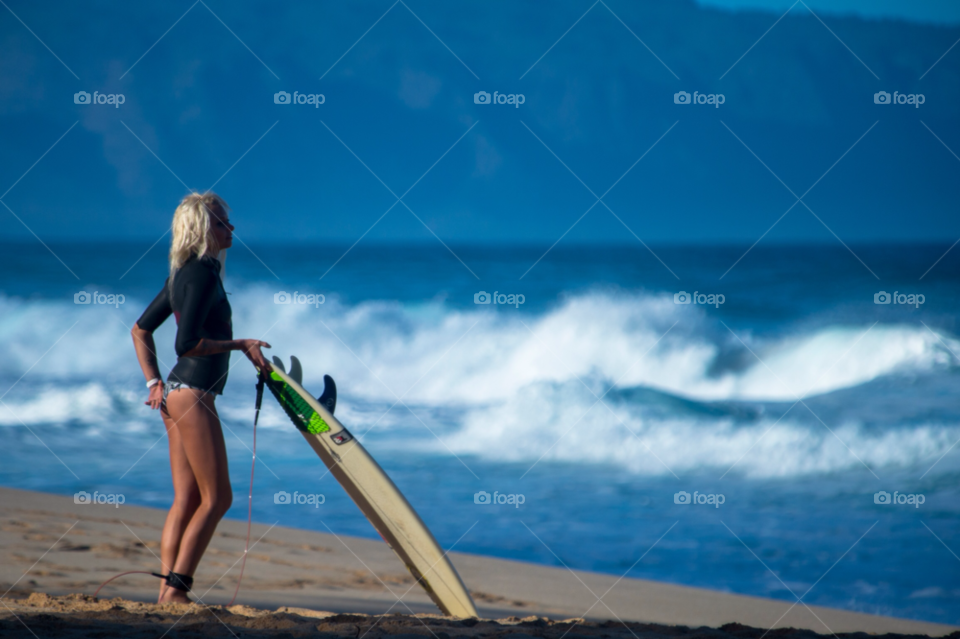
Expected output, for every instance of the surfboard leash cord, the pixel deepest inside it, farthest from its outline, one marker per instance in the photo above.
(261, 378)
(256, 416)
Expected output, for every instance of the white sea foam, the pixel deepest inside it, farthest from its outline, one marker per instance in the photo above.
(567, 423)
(434, 355)
(88, 403)
(520, 385)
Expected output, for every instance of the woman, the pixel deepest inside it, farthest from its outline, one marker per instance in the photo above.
(198, 458)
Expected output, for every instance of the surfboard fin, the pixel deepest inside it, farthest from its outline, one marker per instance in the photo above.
(296, 371)
(279, 363)
(329, 397)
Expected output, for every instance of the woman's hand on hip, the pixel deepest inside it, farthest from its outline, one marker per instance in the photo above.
(156, 396)
(251, 348)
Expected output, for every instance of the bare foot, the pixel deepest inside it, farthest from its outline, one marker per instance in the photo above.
(163, 589)
(172, 595)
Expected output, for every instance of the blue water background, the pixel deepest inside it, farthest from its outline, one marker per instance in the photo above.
(597, 399)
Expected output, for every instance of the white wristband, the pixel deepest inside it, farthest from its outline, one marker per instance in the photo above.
(153, 382)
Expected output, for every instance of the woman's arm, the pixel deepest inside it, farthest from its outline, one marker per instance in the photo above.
(249, 347)
(142, 333)
(147, 356)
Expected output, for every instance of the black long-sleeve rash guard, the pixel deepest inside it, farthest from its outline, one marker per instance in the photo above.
(200, 305)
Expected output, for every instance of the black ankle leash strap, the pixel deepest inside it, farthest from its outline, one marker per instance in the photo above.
(176, 580)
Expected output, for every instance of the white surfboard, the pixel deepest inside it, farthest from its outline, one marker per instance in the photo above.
(374, 493)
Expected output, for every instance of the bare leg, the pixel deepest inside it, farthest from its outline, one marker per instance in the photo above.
(186, 500)
(201, 440)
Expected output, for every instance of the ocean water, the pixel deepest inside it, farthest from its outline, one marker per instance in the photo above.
(599, 399)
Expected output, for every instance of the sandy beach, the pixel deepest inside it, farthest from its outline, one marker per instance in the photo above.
(55, 553)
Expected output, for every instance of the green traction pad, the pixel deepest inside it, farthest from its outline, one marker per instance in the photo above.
(296, 408)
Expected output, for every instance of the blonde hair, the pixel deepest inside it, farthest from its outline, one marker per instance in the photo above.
(192, 231)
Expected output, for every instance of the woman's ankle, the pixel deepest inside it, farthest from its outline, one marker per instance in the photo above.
(172, 595)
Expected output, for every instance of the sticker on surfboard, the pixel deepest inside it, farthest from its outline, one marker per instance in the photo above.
(342, 437)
